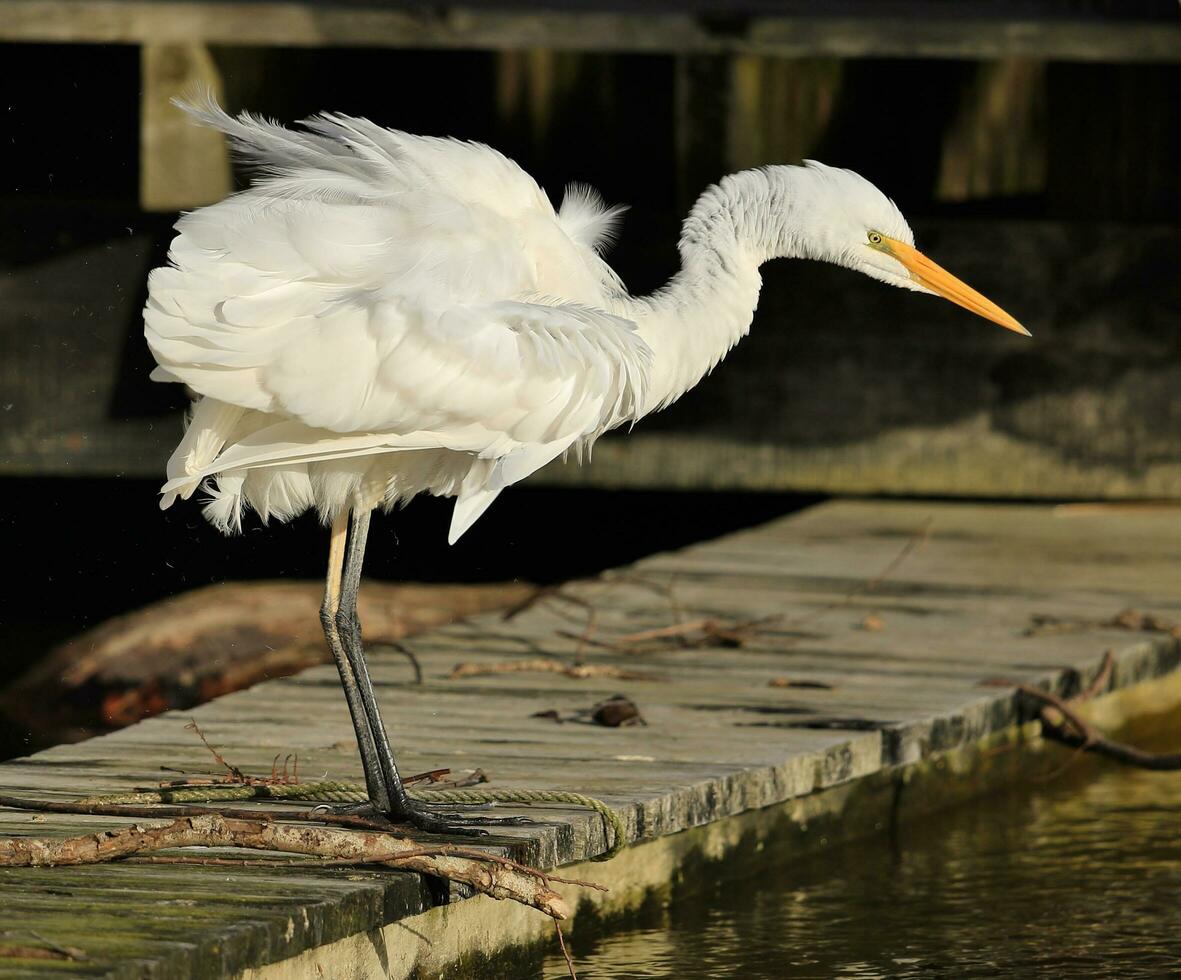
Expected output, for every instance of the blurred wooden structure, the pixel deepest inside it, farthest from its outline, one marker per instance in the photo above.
(184, 651)
(843, 386)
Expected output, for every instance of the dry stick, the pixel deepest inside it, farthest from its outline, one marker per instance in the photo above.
(33, 953)
(47, 946)
(315, 816)
(565, 951)
(399, 647)
(473, 868)
(435, 778)
(916, 541)
(234, 771)
(1101, 679)
(1087, 739)
(713, 630)
(1120, 752)
(1132, 620)
(545, 666)
(592, 620)
(1086, 731)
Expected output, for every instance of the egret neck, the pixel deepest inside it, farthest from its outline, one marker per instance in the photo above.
(707, 307)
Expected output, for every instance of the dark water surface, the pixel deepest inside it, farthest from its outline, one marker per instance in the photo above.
(1078, 875)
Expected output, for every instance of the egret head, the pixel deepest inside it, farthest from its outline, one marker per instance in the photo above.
(841, 217)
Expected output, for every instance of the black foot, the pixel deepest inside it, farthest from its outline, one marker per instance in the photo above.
(449, 818)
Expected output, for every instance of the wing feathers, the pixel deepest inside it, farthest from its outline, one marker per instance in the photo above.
(375, 292)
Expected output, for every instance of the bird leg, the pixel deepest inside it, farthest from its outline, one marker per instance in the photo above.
(386, 789)
(378, 795)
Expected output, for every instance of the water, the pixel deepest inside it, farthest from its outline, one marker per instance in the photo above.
(1075, 876)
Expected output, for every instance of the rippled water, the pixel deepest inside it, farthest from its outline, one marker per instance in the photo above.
(1075, 876)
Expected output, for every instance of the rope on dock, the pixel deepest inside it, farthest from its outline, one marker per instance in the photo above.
(330, 791)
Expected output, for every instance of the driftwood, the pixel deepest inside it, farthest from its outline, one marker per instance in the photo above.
(188, 650)
(496, 877)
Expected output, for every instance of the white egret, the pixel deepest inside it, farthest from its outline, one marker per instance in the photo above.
(382, 315)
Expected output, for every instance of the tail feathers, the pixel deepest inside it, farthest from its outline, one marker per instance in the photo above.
(209, 429)
(469, 507)
(483, 485)
(223, 508)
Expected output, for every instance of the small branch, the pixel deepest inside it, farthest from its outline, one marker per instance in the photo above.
(234, 772)
(1101, 679)
(565, 951)
(1133, 620)
(1120, 752)
(48, 950)
(788, 682)
(484, 873)
(916, 542)
(405, 651)
(1086, 732)
(544, 666)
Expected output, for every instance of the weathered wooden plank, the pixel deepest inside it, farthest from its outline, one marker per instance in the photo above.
(1074, 38)
(843, 386)
(719, 740)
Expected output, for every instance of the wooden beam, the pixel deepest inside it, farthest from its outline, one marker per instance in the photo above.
(319, 25)
(180, 165)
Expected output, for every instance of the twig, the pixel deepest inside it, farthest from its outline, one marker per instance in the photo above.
(710, 632)
(1133, 620)
(488, 876)
(474, 778)
(915, 542)
(1086, 731)
(665, 632)
(547, 592)
(405, 651)
(33, 953)
(788, 682)
(1101, 679)
(592, 619)
(565, 951)
(543, 666)
(234, 771)
(47, 946)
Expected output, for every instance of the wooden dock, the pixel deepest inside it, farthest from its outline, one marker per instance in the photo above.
(884, 617)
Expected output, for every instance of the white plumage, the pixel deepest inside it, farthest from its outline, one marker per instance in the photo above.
(382, 315)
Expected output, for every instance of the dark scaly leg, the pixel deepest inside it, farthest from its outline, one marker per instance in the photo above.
(378, 794)
(401, 807)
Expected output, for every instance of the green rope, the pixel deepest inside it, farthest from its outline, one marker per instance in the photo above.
(337, 792)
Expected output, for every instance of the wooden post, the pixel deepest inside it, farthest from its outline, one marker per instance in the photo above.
(181, 165)
(780, 108)
(996, 143)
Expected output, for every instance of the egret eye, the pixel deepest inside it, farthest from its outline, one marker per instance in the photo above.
(875, 238)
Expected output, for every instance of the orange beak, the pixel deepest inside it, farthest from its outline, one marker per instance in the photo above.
(939, 280)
